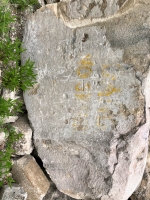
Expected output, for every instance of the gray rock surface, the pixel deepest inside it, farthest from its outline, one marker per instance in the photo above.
(24, 145)
(90, 107)
(2, 137)
(54, 194)
(15, 192)
(143, 191)
(43, 2)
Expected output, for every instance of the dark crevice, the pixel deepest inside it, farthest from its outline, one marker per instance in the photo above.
(51, 1)
(122, 146)
(73, 41)
(103, 7)
(90, 7)
(120, 3)
(39, 162)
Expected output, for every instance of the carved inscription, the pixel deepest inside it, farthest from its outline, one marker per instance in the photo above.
(97, 93)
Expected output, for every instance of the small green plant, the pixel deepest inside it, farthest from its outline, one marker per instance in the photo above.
(9, 107)
(23, 4)
(10, 51)
(4, 3)
(5, 19)
(5, 154)
(19, 77)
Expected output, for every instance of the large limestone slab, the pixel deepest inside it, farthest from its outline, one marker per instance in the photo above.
(90, 106)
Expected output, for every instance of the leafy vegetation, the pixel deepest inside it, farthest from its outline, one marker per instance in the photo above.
(15, 77)
(23, 4)
(9, 107)
(5, 155)
(10, 51)
(19, 77)
(5, 19)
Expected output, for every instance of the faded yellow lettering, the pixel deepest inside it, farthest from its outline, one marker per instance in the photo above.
(109, 91)
(83, 97)
(82, 87)
(85, 67)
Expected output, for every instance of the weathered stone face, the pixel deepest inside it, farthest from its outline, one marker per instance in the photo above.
(87, 106)
(143, 191)
(23, 146)
(15, 192)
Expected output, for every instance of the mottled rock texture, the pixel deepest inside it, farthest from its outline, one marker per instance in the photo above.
(15, 192)
(2, 138)
(54, 194)
(23, 146)
(143, 191)
(90, 106)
